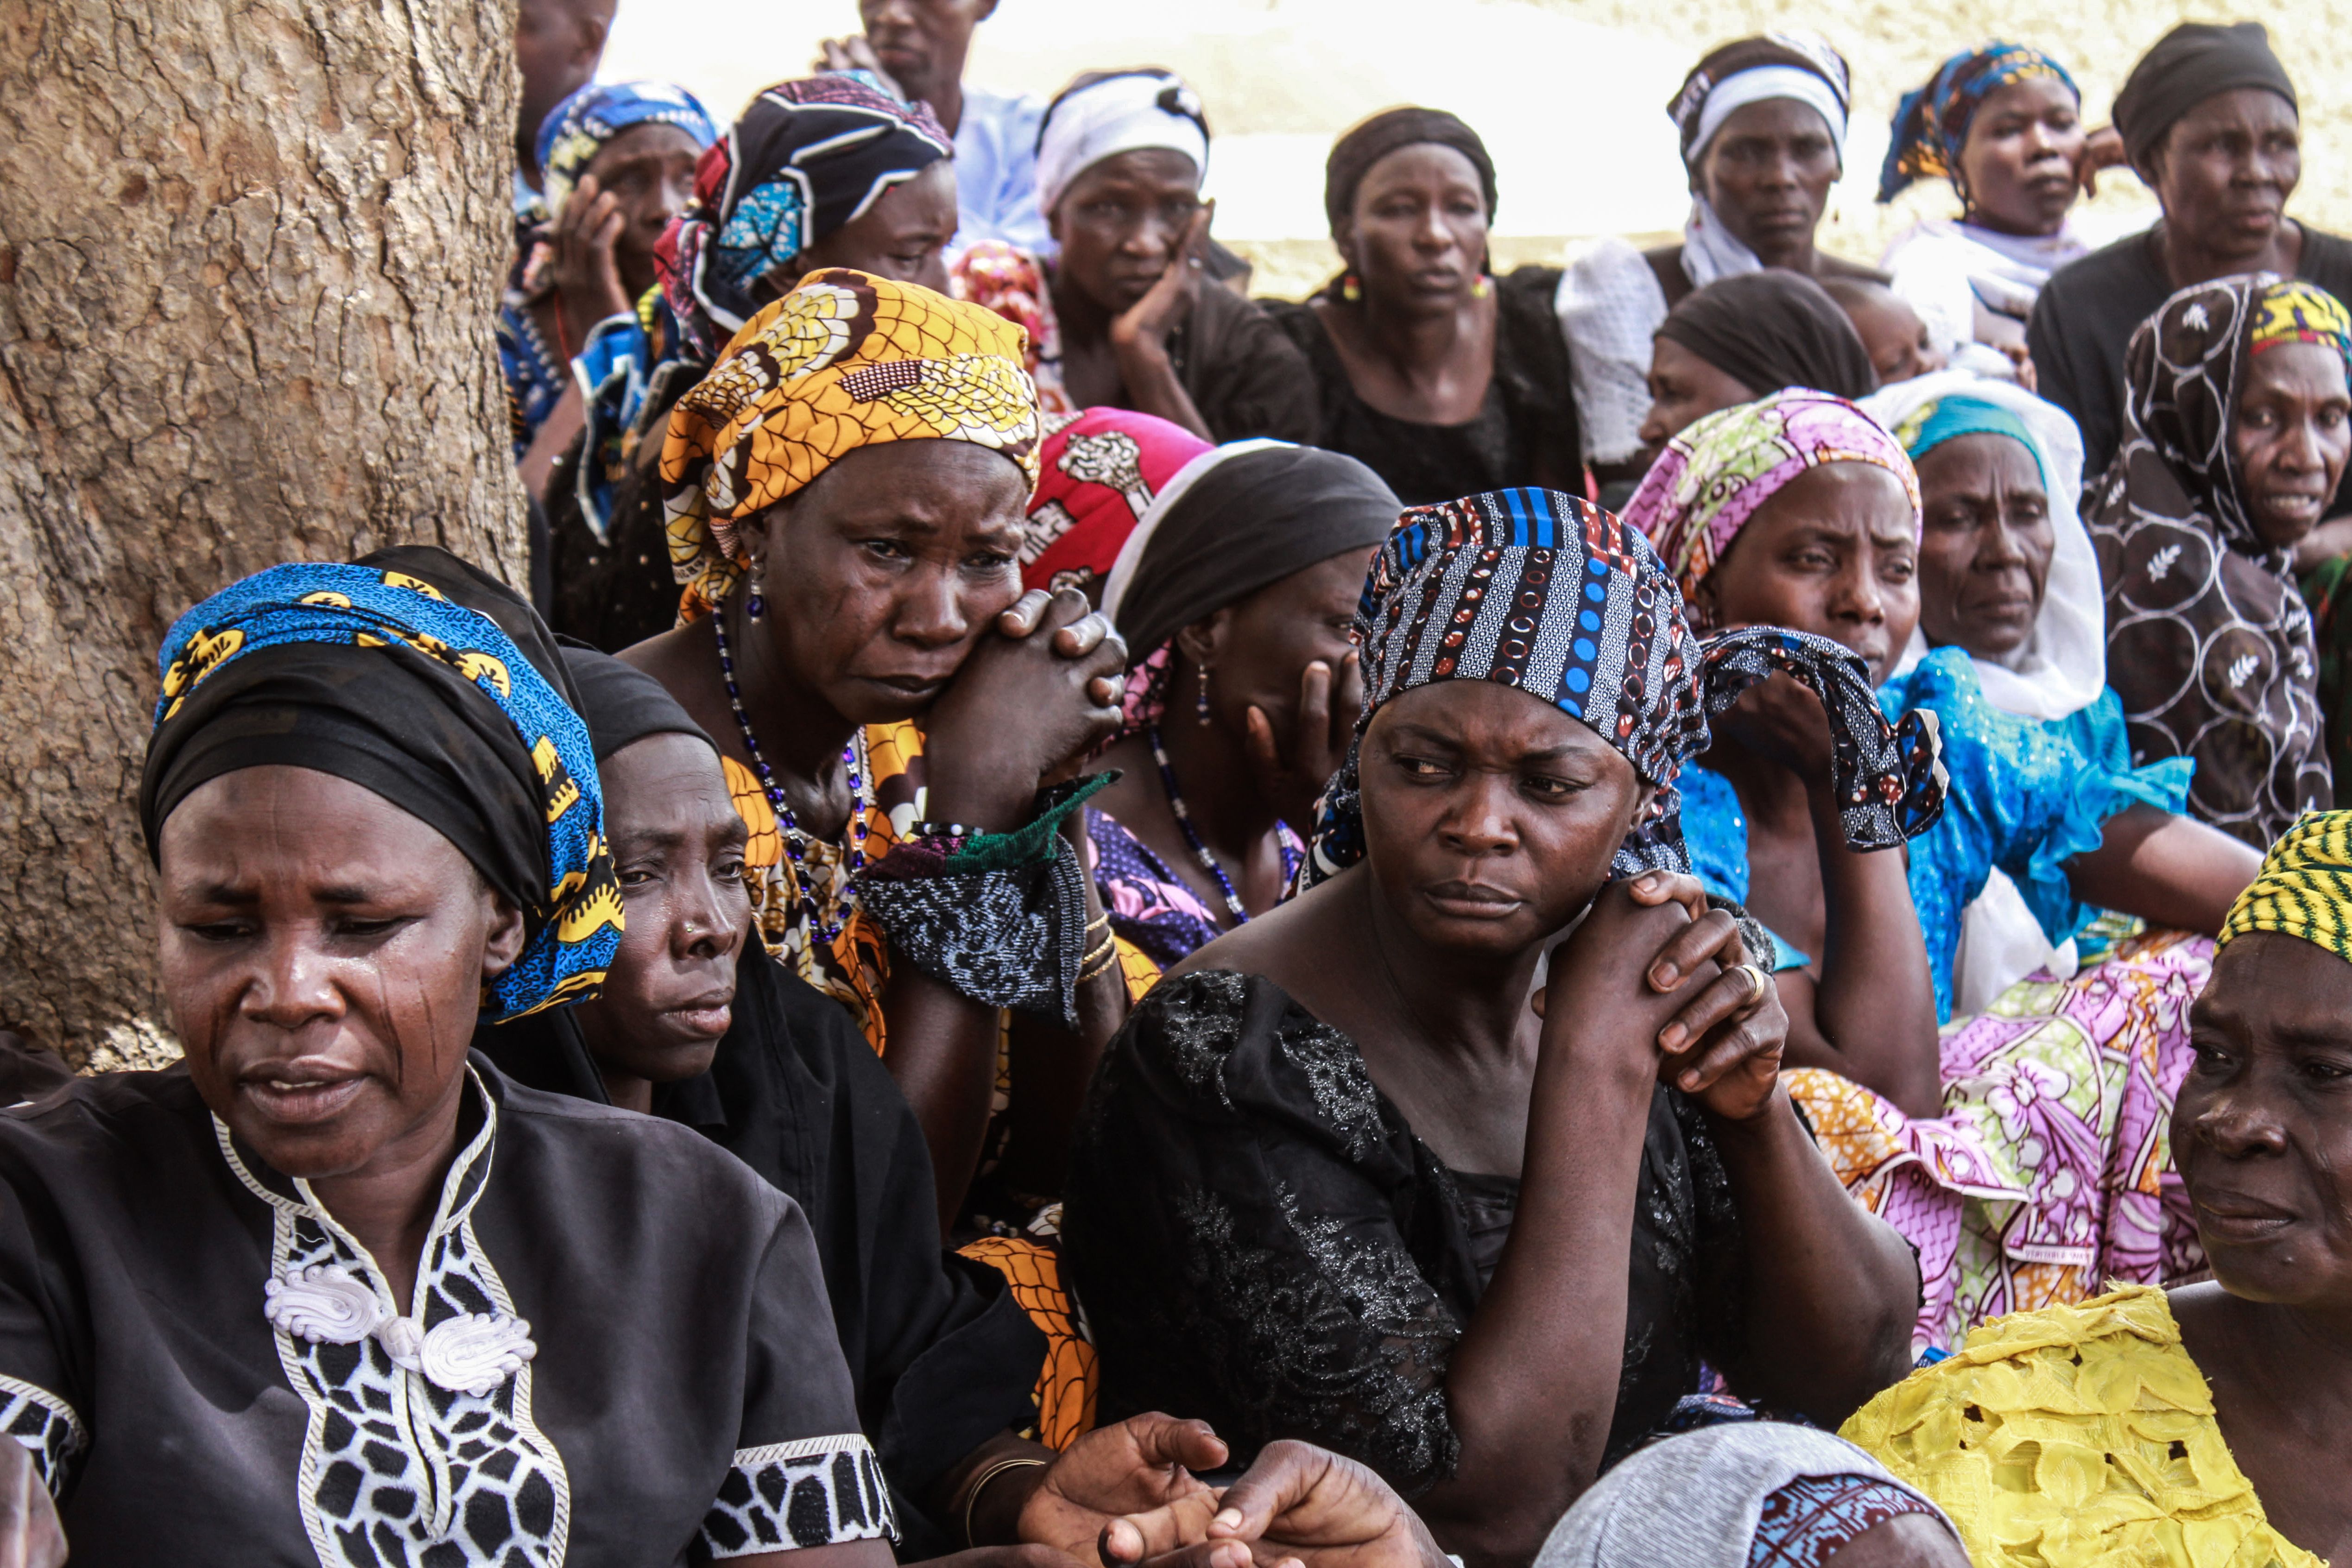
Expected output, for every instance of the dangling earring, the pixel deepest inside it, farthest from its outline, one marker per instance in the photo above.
(1201, 704)
(1482, 287)
(754, 606)
(1350, 289)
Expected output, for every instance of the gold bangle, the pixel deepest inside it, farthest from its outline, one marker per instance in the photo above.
(1090, 970)
(971, 1497)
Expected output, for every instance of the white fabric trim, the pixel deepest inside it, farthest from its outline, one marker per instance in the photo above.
(802, 1449)
(1130, 551)
(1119, 114)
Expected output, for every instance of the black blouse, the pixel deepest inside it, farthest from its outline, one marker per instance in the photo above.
(209, 1370)
(941, 1356)
(1260, 1240)
(1526, 431)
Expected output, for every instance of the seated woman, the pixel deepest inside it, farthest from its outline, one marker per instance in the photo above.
(1338, 1181)
(1741, 337)
(616, 161)
(2188, 1426)
(1441, 379)
(1762, 124)
(846, 491)
(1123, 315)
(699, 1025)
(2238, 426)
(2003, 123)
(1238, 596)
(825, 171)
(2023, 1158)
(331, 1290)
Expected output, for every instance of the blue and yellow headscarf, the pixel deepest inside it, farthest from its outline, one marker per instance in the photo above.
(419, 678)
(1949, 418)
(2304, 888)
(576, 129)
(1931, 124)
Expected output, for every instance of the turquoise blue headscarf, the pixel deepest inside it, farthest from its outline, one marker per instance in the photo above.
(1958, 415)
(429, 684)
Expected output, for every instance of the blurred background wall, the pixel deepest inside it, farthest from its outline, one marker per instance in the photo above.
(1569, 94)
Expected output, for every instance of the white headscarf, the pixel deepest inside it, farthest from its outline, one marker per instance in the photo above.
(1694, 1500)
(2061, 668)
(1125, 112)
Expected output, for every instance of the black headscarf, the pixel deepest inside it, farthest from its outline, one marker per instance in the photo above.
(1248, 520)
(1773, 328)
(2195, 61)
(1353, 155)
(621, 703)
(430, 684)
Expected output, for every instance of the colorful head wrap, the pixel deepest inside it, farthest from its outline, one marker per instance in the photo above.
(576, 129)
(1099, 474)
(1801, 66)
(1105, 113)
(417, 677)
(1713, 477)
(846, 359)
(2293, 311)
(2304, 888)
(1931, 123)
(805, 159)
(1966, 414)
(1355, 153)
(1548, 593)
(2195, 61)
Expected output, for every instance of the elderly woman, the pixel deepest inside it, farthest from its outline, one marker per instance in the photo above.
(1742, 337)
(1442, 379)
(2178, 1426)
(617, 161)
(2209, 122)
(1762, 125)
(1121, 316)
(697, 1024)
(1802, 511)
(333, 1288)
(2003, 123)
(846, 491)
(1337, 1181)
(2237, 429)
(825, 171)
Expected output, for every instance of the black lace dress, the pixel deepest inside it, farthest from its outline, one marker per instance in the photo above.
(1257, 1239)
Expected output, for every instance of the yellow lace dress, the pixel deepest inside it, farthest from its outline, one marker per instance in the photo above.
(2076, 1437)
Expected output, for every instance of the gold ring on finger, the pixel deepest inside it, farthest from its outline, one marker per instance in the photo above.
(1758, 979)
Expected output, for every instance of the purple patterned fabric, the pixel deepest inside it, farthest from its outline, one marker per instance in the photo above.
(1148, 903)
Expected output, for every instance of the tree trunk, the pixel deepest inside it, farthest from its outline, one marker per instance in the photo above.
(249, 255)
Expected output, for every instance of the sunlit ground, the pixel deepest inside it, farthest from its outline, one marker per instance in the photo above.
(1570, 97)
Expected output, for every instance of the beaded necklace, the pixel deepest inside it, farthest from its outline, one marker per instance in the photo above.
(861, 803)
(1191, 835)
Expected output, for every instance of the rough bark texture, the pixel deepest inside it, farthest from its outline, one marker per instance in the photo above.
(249, 255)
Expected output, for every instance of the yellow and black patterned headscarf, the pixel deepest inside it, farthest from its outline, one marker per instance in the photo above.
(2306, 885)
(846, 359)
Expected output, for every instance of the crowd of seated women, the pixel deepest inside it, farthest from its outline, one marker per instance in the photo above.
(1680, 908)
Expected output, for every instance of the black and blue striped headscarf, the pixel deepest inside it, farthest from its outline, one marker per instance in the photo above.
(1548, 593)
(417, 677)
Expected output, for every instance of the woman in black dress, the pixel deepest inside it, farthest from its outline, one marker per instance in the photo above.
(333, 1290)
(1338, 1181)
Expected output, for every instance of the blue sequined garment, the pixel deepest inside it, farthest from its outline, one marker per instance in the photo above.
(2025, 795)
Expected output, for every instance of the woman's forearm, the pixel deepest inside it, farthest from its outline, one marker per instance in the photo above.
(1829, 1293)
(1051, 1066)
(941, 1051)
(1876, 1005)
(1533, 1385)
(2169, 871)
(1149, 378)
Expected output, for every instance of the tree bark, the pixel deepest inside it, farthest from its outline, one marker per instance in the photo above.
(250, 251)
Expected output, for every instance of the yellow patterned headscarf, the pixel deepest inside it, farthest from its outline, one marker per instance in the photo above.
(2306, 885)
(846, 359)
(2297, 313)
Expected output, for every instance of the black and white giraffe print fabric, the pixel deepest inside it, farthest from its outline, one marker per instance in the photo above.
(814, 1492)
